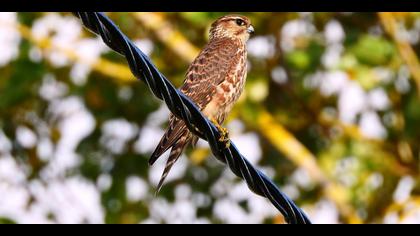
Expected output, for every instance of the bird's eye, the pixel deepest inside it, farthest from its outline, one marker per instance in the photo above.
(240, 22)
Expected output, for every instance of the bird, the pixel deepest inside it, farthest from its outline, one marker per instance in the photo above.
(214, 81)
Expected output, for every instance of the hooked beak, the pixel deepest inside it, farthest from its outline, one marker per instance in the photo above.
(250, 30)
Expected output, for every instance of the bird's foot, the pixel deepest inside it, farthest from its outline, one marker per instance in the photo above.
(224, 133)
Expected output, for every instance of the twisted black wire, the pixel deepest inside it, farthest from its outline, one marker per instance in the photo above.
(182, 107)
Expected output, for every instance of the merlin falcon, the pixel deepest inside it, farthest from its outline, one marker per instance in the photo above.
(214, 81)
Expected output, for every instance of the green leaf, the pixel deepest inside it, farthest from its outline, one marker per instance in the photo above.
(373, 50)
(7, 221)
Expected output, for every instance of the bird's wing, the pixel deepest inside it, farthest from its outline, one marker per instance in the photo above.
(208, 70)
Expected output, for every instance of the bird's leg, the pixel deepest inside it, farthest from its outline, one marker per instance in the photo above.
(224, 133)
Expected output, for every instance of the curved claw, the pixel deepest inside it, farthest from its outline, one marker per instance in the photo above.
(224, 133)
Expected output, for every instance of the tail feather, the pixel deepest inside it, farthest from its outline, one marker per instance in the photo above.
(173, 133)
(176, 152)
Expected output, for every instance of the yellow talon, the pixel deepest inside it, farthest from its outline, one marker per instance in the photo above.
(224, 133)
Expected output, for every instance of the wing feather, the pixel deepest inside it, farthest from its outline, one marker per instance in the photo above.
(208, 70)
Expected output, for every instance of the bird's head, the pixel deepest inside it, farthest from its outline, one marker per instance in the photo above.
(232, 26)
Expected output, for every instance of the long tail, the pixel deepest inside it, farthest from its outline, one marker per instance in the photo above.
(176, 152)
(174, 132)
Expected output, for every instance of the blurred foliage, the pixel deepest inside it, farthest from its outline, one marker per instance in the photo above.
(300, 126)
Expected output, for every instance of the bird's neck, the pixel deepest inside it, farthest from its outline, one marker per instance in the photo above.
(228, 40)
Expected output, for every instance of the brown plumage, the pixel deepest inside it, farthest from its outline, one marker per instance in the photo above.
(214, 81)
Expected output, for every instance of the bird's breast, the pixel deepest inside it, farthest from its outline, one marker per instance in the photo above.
(229, 91)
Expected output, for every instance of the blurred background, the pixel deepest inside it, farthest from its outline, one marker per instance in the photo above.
(330, 112)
